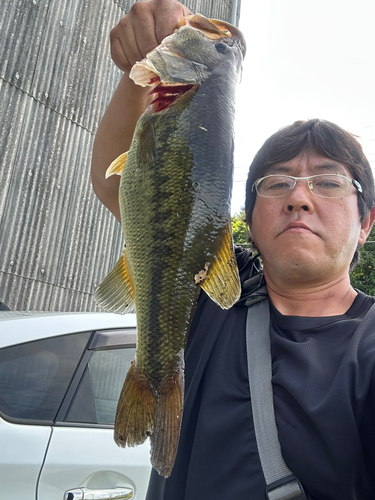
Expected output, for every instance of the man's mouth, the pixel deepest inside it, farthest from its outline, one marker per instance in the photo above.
(297, 227)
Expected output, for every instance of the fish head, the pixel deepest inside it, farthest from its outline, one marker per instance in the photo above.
(189, 56)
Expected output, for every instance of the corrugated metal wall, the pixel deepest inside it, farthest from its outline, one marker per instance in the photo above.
(56, 78)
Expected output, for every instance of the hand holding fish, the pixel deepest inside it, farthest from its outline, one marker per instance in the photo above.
(143, 28)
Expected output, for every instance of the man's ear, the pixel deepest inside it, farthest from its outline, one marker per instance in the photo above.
(366, 226)
(251, 237)
(248, 223)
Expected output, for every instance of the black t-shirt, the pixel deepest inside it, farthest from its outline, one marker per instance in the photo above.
(324, 406)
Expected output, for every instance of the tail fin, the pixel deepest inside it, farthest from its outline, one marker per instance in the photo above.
(164, 439)
(135, 410)
(141, 413)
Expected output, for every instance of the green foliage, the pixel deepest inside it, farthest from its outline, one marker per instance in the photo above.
(240, 230)
(363, 276)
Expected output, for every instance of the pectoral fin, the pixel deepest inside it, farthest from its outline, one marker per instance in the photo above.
(116, 292)
(220, 278)
(117, 166)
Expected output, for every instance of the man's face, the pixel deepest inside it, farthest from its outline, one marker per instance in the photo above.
(305, 239)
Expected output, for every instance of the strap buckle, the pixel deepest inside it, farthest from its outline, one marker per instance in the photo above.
(286, 488)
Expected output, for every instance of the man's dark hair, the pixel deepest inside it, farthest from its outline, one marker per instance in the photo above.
(325, 138)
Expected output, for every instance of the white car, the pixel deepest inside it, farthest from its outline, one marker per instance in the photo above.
(60, 379)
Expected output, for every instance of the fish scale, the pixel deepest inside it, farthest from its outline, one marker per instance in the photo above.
(174, 199)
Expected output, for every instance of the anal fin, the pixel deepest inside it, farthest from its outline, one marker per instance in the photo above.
(116, 292)
(222, 281)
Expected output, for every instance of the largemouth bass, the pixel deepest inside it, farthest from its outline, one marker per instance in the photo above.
(174, 197)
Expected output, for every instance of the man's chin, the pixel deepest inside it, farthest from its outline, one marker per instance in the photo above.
(295, 267)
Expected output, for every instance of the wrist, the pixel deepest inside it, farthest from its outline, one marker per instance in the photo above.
(134, 91)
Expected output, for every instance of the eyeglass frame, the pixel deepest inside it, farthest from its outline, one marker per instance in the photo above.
(353, 182)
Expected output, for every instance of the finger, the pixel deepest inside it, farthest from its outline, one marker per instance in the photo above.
(143, 23)
(167, 16)
(118, 55)
(143, 28)
(124, 47)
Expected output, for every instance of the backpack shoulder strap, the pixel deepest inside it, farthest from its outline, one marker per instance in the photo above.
(281, 482)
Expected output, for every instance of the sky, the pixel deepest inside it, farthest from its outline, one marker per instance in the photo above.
(304, 60)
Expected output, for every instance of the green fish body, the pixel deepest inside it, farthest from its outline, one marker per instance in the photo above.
(174, 198)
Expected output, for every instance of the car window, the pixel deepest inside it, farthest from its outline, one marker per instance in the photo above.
(96, 397)
(34, 376)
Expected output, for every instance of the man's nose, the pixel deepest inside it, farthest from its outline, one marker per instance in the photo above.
(300, 198)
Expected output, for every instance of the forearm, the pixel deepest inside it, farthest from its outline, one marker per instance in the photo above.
(141, 30)
(114, 137)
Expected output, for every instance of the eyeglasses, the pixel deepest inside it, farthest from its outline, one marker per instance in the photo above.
(324, 185)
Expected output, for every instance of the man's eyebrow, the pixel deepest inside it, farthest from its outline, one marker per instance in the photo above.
(278, 169)
(330, 166)
(326, 166)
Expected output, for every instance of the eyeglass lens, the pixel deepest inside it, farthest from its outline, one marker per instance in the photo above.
(325, 185)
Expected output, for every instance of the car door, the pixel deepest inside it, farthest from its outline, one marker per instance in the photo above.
(82, 460)
(34, 377)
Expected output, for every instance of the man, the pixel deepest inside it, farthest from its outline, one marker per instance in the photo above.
(309, 205)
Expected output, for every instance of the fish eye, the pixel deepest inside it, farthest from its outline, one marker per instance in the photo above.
(222, 47)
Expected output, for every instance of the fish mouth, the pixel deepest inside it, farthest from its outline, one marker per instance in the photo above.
(215, 29)
(212, 28)
(167, 69)
(165, 95)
